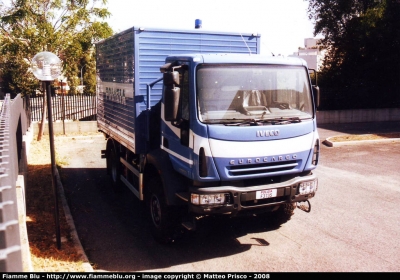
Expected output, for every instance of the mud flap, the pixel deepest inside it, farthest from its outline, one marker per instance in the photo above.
(304, 205)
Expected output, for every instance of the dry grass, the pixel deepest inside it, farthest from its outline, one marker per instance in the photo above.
(41, 226)
(378, 136)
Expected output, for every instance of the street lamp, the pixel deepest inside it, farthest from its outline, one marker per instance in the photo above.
(46, 67)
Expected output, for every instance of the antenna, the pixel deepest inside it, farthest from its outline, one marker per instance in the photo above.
(245, 43)
(268, 48)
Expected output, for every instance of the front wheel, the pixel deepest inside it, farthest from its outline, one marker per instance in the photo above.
(284, 213)
(163, 219)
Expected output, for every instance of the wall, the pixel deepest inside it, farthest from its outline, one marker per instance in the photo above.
(360, 115)
(70, 127)
(13, 167)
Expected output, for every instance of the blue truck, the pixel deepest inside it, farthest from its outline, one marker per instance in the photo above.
(198, 123)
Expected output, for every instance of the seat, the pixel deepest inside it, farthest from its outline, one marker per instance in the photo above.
(253, 101)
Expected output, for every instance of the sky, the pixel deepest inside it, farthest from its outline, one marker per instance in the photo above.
(283, 24)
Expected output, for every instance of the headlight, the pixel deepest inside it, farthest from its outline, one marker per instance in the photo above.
(208, 199)
(308, 187)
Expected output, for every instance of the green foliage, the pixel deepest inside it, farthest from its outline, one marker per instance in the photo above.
(362, 66)
(67, 28)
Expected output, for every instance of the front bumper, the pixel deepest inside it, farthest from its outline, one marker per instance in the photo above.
(243, 199)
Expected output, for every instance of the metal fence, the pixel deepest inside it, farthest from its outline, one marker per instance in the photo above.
(68, 107)
(16, 116)
(13, 128)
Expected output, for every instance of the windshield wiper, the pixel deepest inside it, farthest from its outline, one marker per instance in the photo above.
(283, 120)
(258, 122)
(212, 121)
(255, 122)
(251, 122)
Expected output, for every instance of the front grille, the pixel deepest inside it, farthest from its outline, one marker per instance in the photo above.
(263, 201)
(262, 181)
(261, 168)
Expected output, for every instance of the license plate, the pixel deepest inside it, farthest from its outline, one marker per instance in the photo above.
(266, 194)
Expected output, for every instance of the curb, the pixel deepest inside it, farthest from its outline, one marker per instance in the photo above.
(77, 243)
(328, 142)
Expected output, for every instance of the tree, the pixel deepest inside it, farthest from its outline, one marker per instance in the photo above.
(362, 38)
(67, 28)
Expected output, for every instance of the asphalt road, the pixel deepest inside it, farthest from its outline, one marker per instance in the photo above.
(353, 226)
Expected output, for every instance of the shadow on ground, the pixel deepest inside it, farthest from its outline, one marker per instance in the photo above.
(112, 228)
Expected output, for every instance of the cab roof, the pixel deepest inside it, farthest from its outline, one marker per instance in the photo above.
(238, 58)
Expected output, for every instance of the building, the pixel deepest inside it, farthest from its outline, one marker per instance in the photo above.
(312, 53)
(61, 86)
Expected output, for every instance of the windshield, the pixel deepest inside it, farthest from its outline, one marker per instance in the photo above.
(236, 93)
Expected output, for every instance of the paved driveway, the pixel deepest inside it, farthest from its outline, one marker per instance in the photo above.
(354, 224)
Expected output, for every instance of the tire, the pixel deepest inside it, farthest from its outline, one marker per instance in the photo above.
(115, 169)
(284, 213)
(163, 219)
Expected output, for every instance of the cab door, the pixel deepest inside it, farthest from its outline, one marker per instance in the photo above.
(176, 132)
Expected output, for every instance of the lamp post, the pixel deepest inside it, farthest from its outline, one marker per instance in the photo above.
(46, 67)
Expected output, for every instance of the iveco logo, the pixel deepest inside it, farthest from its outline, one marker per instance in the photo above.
(263, 159)
(267, 133)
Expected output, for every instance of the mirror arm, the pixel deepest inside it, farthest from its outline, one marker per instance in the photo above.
(149, 86)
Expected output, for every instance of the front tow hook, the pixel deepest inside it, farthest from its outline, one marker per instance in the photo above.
(304, 205)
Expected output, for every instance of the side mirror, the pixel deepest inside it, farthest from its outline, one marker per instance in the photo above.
(171, 95)
(315, 88)
(171, 103)
(171, 78)
(316, 96)
(313, 76)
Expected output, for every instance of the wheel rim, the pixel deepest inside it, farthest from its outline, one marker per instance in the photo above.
(155, 209)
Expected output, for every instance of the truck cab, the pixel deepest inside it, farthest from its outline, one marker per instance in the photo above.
(239, 133)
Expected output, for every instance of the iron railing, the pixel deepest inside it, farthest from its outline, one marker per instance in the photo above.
(68, 107)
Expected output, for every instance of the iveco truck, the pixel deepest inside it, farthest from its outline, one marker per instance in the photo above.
(200, 124)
